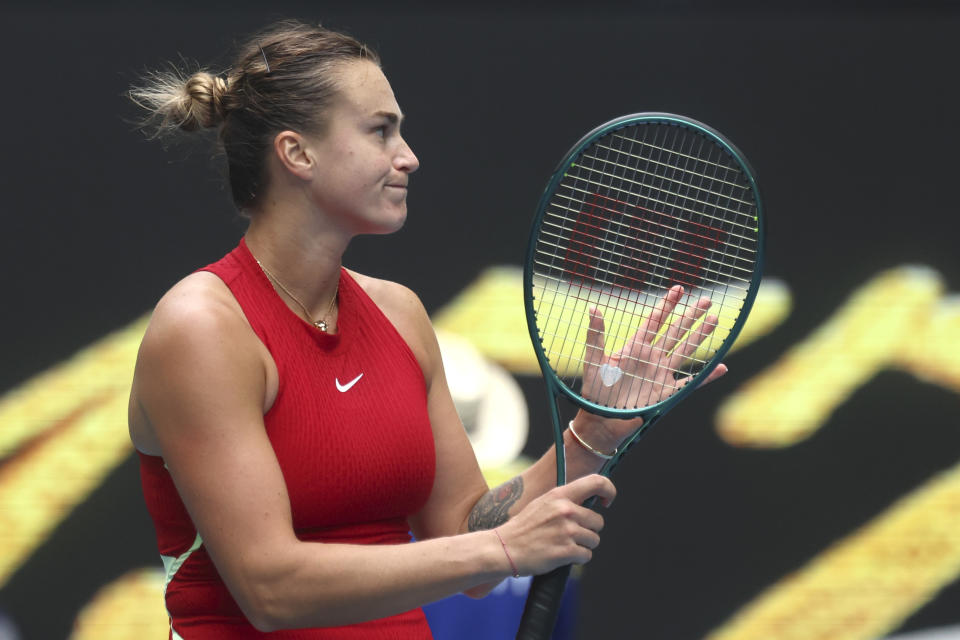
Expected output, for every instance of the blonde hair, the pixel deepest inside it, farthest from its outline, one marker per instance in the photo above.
(282, 78)
(179, 102)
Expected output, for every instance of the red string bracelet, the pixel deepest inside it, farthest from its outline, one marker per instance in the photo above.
(516, 574)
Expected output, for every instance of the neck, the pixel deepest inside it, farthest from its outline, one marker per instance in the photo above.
(306, 263)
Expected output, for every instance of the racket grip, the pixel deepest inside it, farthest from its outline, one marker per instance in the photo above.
(543, 605)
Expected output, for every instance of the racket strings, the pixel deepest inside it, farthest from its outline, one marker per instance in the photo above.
(667, 378)
(587, 295)
(634, 215)
(596, 209)
(664, 192)
(580, 304)
(637, 262)
(621, 250)
(691, 175)
(690, 363)
(675, 152)
(660, 371)
(595, 202)
(705, 190)
(746, 230)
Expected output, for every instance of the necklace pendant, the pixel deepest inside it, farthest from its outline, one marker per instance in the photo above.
(321, 324)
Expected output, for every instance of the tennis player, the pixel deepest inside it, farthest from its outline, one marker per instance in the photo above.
(292, 418)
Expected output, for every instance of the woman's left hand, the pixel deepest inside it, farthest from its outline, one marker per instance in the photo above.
(641, 373)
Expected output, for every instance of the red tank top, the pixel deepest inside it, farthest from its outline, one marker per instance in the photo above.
(351, 432)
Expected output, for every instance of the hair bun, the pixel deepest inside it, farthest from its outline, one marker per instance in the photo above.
(203, 101)
(174, 102)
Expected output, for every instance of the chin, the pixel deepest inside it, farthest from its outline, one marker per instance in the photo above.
(385, 227)
(393, 228)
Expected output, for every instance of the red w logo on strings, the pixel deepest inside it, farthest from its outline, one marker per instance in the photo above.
(630, 246)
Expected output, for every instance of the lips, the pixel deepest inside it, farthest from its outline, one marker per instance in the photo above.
(400, 182)
(396, 192)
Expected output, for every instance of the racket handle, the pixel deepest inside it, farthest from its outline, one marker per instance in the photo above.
(543, 605)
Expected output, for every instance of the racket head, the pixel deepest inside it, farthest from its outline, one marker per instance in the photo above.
(639, 204)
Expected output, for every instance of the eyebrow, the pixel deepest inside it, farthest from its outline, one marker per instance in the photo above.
(391, 116)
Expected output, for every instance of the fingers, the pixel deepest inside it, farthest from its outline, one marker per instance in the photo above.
(681, 326)
(555, 529)
(582, 489)
(584, 518)
(695, 338)
(720, 370)
(595, 337)
(650, 328)
(586, 538)
(575, 528)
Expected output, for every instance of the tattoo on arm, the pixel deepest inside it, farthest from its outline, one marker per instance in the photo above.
(491, 510)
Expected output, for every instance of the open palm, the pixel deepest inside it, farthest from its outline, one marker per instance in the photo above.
(646, 370)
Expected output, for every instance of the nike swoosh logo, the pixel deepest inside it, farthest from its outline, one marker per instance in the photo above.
(343, 388)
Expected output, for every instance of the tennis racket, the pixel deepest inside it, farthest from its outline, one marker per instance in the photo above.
(643, 262)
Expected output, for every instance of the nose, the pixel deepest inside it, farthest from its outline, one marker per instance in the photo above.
(405, 160)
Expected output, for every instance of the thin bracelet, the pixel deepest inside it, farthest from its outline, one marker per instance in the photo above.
(516, 574)
(605, 456)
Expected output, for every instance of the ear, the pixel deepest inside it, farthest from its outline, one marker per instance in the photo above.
(291, 150)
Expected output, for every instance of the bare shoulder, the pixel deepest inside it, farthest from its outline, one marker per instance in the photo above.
(196, 309)
(198, 341)
(197, 290)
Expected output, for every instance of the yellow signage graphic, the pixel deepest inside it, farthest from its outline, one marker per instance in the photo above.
(129, 608)
(61, 433)
(892, 322)
(867, 584)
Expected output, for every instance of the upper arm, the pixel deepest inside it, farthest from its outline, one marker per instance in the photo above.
(199, 387)
(458, 482)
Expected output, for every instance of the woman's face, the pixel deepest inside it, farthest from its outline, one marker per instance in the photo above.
(363, 164)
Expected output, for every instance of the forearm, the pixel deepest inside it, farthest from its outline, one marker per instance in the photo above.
(321, 584)
(500, 503)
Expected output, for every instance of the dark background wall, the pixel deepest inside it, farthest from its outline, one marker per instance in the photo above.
(848, 114)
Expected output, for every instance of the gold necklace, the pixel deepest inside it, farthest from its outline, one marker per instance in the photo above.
(319, 324)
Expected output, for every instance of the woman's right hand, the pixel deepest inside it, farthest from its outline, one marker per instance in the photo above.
(556, 529)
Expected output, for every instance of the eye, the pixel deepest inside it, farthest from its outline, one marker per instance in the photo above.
(381, 131)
